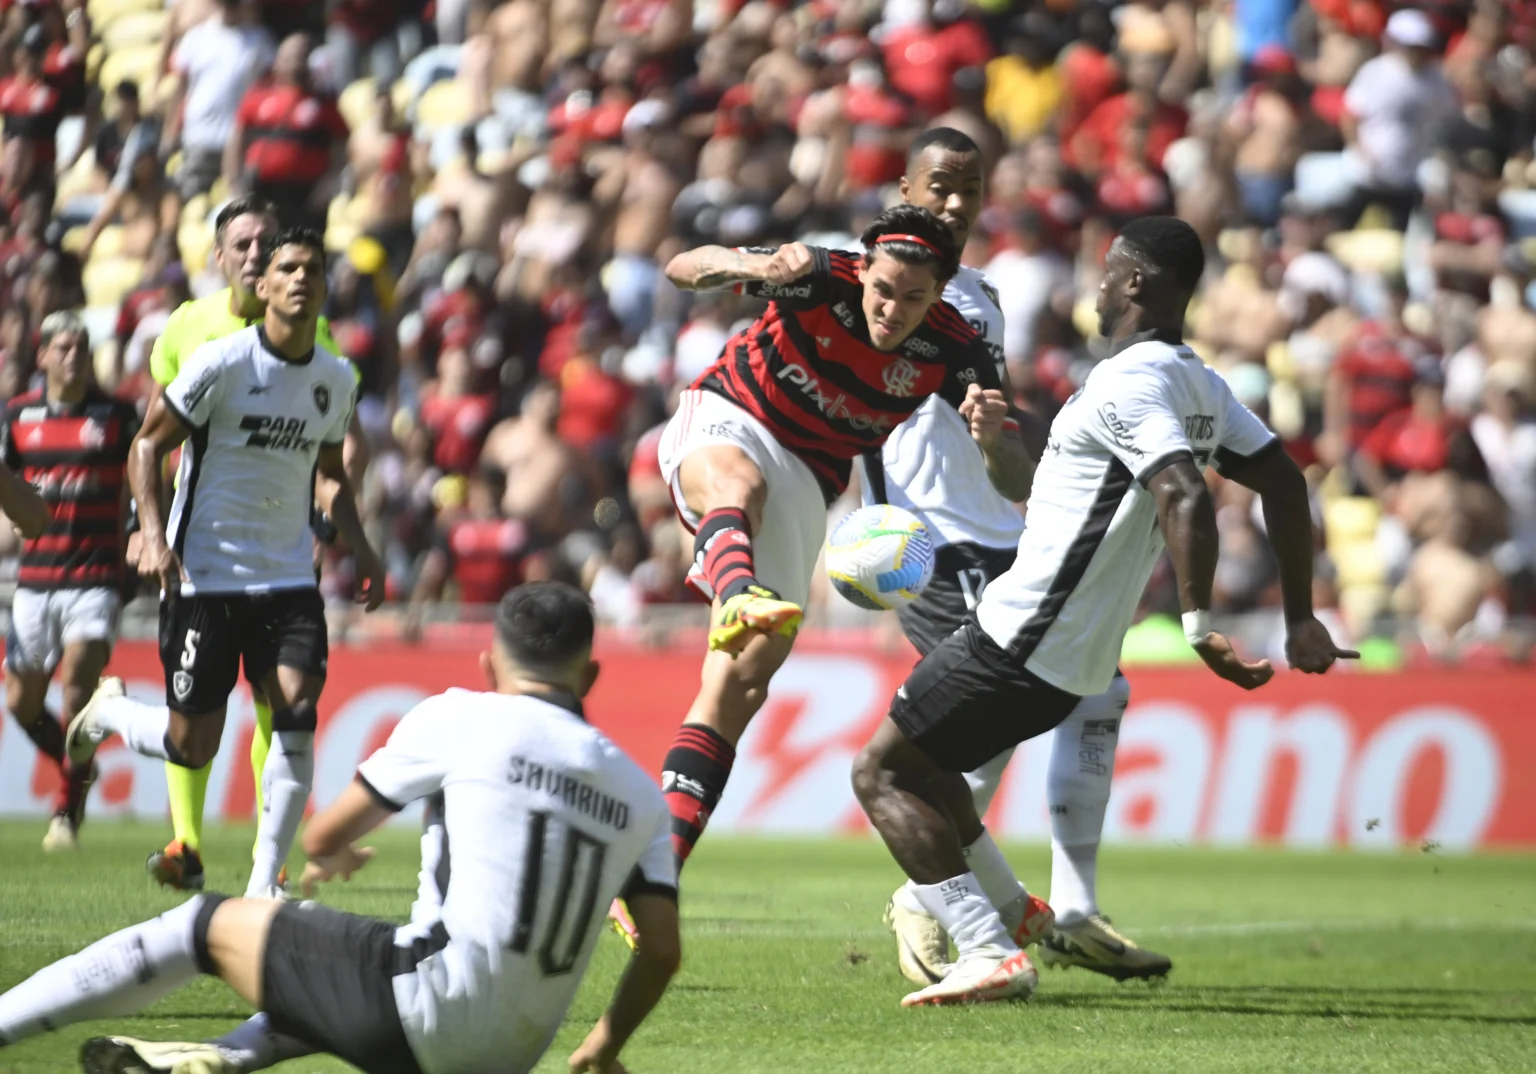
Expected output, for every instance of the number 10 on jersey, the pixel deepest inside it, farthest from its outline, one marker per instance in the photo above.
(573, 913)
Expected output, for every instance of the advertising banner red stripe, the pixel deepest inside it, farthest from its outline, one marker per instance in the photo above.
(1343, 760)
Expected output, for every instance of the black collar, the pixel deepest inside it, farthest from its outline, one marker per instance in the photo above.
(266, 344)
(1173, 339)
(563, 699)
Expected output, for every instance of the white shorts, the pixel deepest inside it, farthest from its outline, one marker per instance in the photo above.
(794, 527)
(44, 621)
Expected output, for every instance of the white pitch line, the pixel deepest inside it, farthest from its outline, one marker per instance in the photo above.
(1259, 928)
(782, 930)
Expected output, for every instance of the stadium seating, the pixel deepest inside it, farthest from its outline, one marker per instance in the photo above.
(108, 279)
(132, 30)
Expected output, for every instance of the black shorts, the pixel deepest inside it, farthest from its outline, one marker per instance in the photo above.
(961, 573)
(969, 700)
(204, 639)
(328, 979)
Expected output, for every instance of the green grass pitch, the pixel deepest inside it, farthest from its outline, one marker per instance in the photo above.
(1282, 961)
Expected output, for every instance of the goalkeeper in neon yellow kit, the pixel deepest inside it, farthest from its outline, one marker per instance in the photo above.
(239, 231)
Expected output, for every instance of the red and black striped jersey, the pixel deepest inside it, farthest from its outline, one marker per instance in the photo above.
(75, 456)
(807, 370)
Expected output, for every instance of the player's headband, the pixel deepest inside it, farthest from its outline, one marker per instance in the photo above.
(924, 243)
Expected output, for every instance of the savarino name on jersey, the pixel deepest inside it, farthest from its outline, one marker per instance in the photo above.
(577, 794)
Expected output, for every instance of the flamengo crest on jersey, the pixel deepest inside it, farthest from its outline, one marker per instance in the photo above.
(1092, 536)
(806, 368)
(536, 821)
(932, 466)
(240, 518)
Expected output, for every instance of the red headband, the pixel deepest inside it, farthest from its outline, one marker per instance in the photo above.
(924, 243)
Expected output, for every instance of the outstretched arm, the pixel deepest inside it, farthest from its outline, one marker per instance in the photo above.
(716, 268)
(644, 982)
(330, 834)
(1288, 519)
(1188, 521)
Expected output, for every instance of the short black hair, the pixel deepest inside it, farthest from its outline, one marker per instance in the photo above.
(937, 247)
(545, 626)
(1166, 244)
(126, 90)
(946, 138)
(298, 235)
(250, 205)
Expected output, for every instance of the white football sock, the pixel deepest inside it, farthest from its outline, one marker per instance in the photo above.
(965, 912)
(285, 782)
(255, 1045)
(986, 780)
(991, 870)
(115, 976)
(143, 727)
(1002, 889)
(1077, 790)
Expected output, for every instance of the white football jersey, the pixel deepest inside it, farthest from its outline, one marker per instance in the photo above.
(536, 821)
(240, 517)
(932, 466)
(1091, 536)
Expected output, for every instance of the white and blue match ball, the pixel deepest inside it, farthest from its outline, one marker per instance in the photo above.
(880, 557)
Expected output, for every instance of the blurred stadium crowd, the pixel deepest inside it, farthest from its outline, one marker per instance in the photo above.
(500, 183)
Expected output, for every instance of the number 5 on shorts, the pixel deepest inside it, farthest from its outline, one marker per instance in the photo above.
(189, 649)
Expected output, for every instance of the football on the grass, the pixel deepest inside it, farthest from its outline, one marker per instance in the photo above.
(880, 557)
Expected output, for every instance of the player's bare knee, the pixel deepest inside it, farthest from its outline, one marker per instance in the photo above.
(193, 741)
(717, 477)
(871, 778)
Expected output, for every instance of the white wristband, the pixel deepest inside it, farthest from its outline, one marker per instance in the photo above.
(1196, 626)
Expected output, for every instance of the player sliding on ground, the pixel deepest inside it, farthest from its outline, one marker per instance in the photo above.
(848, 348)
(930, 467)
(259, 412)
(547, 820)
(1120, 477)
(241, 231)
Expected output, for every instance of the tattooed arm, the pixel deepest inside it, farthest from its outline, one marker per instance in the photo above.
(716, 268)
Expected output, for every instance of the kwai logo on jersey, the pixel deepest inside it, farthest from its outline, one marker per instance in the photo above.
(784, 290)
(833, 406)
(900, 377)
(921, 347)
(276, 434)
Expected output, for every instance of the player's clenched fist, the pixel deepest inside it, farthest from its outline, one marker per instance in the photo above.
(789, 262)
(161, 565)
(985, 410)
